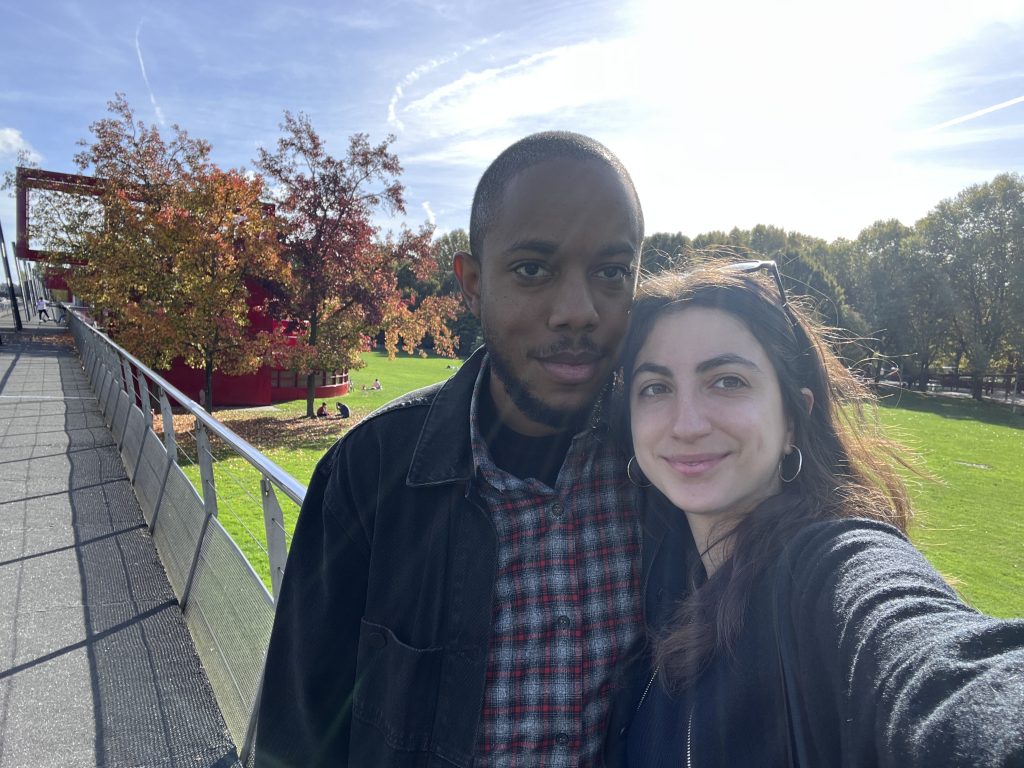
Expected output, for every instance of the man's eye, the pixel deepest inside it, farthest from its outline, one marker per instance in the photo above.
(531, 269)
(614, 272)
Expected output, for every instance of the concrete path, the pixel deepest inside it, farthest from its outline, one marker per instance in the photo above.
(96, 665)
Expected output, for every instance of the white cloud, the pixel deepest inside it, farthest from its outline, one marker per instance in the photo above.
(142, 66)
(12, 142)
(429, 212)
(979, 113)
(424, 69)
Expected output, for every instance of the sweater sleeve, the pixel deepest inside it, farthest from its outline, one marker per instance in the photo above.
(917, 677)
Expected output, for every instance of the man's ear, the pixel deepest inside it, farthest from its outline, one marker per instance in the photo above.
(467, 272)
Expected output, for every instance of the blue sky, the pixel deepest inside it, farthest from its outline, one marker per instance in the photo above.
(813, 116)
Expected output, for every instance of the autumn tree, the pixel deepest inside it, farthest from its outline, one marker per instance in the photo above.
(440, 281)
(180, 245)
(344, 288)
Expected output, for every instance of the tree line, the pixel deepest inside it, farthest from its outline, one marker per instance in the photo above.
(947, 291)
(183, 258)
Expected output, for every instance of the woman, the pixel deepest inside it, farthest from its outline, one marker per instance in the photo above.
(811, 633)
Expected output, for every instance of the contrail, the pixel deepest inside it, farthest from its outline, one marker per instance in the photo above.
(979, 113)
(142, 66)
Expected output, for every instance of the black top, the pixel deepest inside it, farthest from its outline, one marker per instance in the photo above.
(521, 455)
(884, 666)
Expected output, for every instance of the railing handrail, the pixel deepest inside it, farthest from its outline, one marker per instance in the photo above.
(291, 487)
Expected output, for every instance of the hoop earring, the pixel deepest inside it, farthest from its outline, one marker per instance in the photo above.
(629, 474)
(799, 466)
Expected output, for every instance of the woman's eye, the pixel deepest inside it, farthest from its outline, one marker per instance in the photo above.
(729, 382)
(652, 390)
(531, 269)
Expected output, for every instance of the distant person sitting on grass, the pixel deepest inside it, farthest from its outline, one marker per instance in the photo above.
(343, 411)
(376, 384)
(321, 412)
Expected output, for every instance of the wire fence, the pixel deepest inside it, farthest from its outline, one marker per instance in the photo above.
(216, 508)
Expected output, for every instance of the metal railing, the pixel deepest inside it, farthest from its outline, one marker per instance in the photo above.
(226, 604)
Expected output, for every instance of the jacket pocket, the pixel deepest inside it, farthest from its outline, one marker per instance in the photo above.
(396, 691)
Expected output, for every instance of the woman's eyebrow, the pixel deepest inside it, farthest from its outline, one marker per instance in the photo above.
(728, 358)
(654, 368)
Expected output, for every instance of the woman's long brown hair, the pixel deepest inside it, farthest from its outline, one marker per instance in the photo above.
(849, 466)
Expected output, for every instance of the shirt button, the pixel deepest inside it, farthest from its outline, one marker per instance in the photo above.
(563, 622)
(562, 739)
(557, 509)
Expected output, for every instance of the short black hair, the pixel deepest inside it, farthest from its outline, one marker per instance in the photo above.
(533, 150)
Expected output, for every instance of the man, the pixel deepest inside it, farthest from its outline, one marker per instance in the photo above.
(464, 576)
(41, 309)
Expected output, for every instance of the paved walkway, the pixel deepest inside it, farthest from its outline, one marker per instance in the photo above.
(96, 665)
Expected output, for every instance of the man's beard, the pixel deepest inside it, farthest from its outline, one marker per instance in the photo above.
(530, 405)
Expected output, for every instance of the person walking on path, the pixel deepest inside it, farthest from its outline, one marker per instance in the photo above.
(41, 309)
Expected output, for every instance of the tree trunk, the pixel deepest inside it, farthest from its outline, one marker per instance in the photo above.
(310, 395)
(208, 370)
(976, 386)
(314, 325)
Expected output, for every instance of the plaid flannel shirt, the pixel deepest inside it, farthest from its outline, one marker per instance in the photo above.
(567, 603)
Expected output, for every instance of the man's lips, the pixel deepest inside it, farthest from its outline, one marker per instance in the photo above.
(694, 465)
(571, 368)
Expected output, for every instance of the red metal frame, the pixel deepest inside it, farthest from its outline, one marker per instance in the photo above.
(54, 181)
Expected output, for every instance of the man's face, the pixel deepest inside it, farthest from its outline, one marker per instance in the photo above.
(552, 290)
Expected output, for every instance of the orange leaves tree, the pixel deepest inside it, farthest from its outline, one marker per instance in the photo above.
(344, 289)
(180, 245)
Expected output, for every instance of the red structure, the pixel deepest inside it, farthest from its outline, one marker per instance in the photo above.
(265, 387)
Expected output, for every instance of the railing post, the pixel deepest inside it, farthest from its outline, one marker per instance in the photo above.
(147, 421)
(128, 382)
(170, 441)
(205, 458)
(171, 446)
(147, 406)
(273, 522)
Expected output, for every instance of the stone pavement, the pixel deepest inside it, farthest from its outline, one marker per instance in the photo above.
(96, 665)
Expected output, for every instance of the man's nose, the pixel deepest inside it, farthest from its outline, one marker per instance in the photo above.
(573, 307)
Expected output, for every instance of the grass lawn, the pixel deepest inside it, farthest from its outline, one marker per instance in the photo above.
(295, 443)
(970, 522)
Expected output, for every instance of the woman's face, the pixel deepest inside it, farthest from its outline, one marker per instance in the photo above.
(708, 424)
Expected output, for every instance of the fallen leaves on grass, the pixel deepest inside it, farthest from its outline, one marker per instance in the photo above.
(266, 431)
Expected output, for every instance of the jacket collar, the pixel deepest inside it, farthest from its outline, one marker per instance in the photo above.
(443, 453)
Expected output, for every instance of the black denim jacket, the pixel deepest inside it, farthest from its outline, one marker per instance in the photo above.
(378, 652)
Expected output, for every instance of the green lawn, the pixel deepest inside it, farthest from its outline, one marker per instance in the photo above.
(295, 443)
(970, 521)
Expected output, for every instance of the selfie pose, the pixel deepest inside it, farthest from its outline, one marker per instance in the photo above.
(808, 630)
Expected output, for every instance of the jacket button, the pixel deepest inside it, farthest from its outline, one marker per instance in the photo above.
(561, 739)
(557, 509)
(376, 640)
(563, 622)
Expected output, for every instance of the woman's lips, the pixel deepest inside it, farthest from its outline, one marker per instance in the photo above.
(696, 464)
